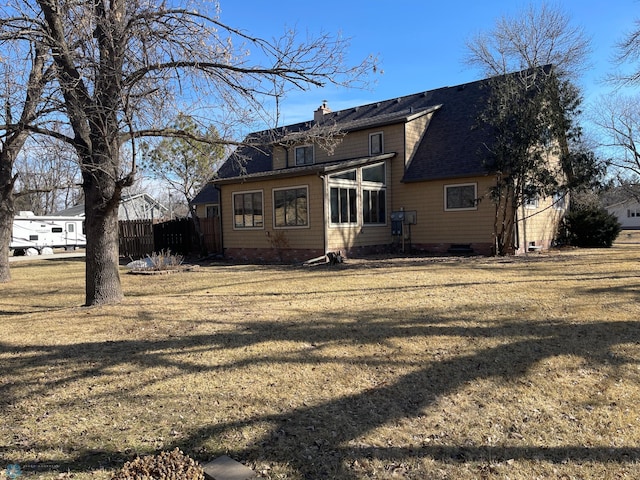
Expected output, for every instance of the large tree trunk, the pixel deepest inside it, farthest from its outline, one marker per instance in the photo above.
(11, 147)
(102, 198)
(504, 222)
(102, 259)
(7, 212)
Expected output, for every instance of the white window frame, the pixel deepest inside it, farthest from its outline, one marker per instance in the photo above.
(373, 187)
(213, 206)
(341, 183)
(374, 184)
(273, 195)
(377, 191)
(559, 201)
(532, 203)
(375, 134)
(461, 209)
(233, 202)
(295, 155)
(360, 186)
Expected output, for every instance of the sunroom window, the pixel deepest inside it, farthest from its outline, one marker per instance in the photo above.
(343, 205)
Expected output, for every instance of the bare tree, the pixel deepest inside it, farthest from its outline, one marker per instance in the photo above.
(24, 73)
(627, 59)
(617, 115)
(532, 110)
(48, 177)
(536, 36)
(618, 118)
(121, 63)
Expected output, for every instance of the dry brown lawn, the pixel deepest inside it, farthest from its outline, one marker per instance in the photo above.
(417, 368)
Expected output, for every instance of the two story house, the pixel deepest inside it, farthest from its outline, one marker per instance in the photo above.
(405, 174)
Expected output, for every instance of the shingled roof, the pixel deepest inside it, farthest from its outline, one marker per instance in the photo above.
(450, 148)
(452, 144)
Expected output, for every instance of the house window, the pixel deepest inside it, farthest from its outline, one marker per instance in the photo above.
(559, 201)
(374, 209)
(376, 145)
(247, 209)
(349, 175)
(374, 206)
(290, 207)
(531, 202)
(343, 205)
(304, 155)
(343, 197)
(366, 185)
(460, 197)
(374, 174)
(212, 211)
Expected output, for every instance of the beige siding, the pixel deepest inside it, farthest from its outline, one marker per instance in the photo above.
(353, 145)
(347, 238)
(415, 130)
(201, 211)
(309, 237)
(434, 224)
(538, 226)
(279, 158)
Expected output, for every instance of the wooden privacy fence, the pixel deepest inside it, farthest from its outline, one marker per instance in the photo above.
(135, 238)
(175, 235)
(139, 238)
(211, 238)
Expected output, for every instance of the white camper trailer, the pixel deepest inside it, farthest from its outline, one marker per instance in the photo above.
(30, 231)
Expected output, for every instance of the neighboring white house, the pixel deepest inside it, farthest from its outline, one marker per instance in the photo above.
(132, 207)
(627, 213)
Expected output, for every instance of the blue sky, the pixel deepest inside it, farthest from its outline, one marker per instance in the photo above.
(420, 44)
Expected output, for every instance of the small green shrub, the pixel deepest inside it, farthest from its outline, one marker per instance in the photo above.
(591, 227)
(173, 465)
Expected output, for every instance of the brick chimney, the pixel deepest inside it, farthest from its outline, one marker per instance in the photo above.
(320, 112)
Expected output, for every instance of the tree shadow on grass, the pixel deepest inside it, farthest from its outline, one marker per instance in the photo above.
(317, 440)
(321, 441)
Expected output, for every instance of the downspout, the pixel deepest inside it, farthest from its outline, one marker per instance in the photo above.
(525, 243)
(220, 218)
(516, 233)
(325, 224)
